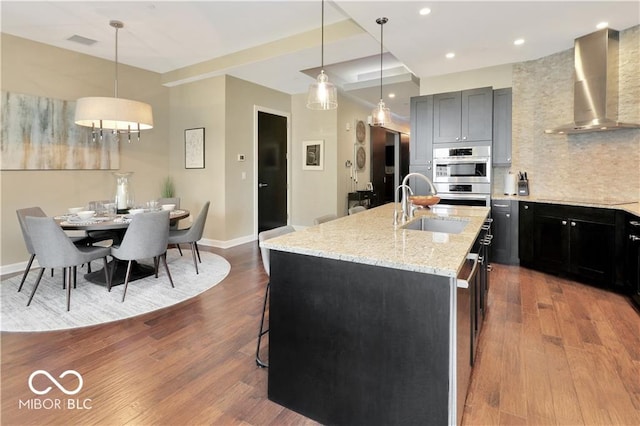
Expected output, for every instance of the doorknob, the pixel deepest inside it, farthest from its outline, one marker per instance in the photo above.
(262, 185)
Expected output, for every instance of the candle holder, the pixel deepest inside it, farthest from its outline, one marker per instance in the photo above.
(124, 198)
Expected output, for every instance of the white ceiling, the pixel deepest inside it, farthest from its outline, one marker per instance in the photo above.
(165, 36)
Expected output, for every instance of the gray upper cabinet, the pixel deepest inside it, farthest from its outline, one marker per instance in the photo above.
(465, 116)
(421, 141)
(502, 127)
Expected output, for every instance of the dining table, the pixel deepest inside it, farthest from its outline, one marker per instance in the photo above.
(117, 226)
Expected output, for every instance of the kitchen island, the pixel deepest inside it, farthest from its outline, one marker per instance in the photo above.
(365, 317)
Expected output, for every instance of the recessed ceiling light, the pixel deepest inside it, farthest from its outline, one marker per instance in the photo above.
(392, 95)
(450, 55)
(602, 25)
(425, 11)
(518, 41)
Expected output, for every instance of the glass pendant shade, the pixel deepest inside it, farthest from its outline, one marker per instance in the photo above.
(113, 114)
(323, 94)
(381, 115)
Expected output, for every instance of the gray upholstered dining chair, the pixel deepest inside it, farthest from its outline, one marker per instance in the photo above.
(266, 263)
(191, 235)
(146, 238)
(38, 212)
(356, 209)
(55, 249)
(326, 218)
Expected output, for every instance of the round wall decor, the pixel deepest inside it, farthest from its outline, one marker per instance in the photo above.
(361, 158)
(360, 131)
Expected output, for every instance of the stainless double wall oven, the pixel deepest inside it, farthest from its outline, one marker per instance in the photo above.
(462, 175)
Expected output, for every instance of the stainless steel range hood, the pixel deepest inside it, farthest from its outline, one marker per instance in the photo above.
(595, 87)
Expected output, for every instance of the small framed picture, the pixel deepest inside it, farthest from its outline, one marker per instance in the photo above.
(313, 155)
(194, 148)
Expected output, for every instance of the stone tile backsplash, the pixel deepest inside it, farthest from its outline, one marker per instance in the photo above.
(600, 165)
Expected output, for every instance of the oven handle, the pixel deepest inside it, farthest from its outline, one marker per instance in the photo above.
(444, 161)
(458, 196)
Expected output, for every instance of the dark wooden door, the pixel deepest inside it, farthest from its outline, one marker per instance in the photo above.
(272, 171)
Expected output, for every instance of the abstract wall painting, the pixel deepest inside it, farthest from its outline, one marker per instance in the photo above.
(39, 133)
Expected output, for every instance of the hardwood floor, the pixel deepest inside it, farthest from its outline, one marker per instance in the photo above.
(551, 351)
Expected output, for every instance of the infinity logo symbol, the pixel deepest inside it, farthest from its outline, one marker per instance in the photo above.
(55, 382)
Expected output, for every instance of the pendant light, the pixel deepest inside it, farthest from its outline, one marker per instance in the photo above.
(322, 94)
(120, 116)
(381, 115)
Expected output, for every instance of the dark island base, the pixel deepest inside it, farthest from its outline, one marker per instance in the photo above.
(138, 271)
(358, 344)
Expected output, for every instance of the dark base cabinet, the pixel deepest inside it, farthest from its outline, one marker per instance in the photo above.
(631, 238)
(583, 243)
(504, 247)
(358, 344)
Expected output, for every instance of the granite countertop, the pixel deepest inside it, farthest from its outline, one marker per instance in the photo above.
(630, 206)
(369, 237)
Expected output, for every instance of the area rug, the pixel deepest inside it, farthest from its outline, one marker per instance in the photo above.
(91, 304)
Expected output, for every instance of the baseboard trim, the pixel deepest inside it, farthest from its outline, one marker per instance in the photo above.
(226, 244)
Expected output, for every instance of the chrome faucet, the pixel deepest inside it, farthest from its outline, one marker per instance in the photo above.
(406, 210)
(403, 219)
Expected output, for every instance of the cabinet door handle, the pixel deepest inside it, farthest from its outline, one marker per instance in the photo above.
(526, 207)
(262, 185)
(634, 223)
(564, 222)
(508, 215)
(573, 224)
(508, 158)
(457, 139)
(501, 205)
(464, 138)
(634, 238)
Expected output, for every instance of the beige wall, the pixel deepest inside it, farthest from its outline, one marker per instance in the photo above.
(349, 112)
(200, 104)
(498, 77)
(37, 69)
(242, 96)
(314, 191)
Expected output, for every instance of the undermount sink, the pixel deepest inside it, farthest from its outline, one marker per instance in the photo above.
(449, 226)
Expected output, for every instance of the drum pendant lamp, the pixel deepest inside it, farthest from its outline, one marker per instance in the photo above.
(118, 115)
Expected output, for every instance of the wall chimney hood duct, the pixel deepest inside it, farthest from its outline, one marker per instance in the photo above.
(595, 87)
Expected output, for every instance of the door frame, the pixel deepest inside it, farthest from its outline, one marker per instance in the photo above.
(287, 115)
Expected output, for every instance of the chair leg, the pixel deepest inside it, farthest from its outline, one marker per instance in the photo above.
(113, 269)
(166, 267)
(26, 271)
(262, 331)
(75, 275)
(36, 286)
(179, 249)
(193, 253)
(126, 280)
(156, 264)
(88, 267)
(107, 275)
(67, 276)
(197, 251)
